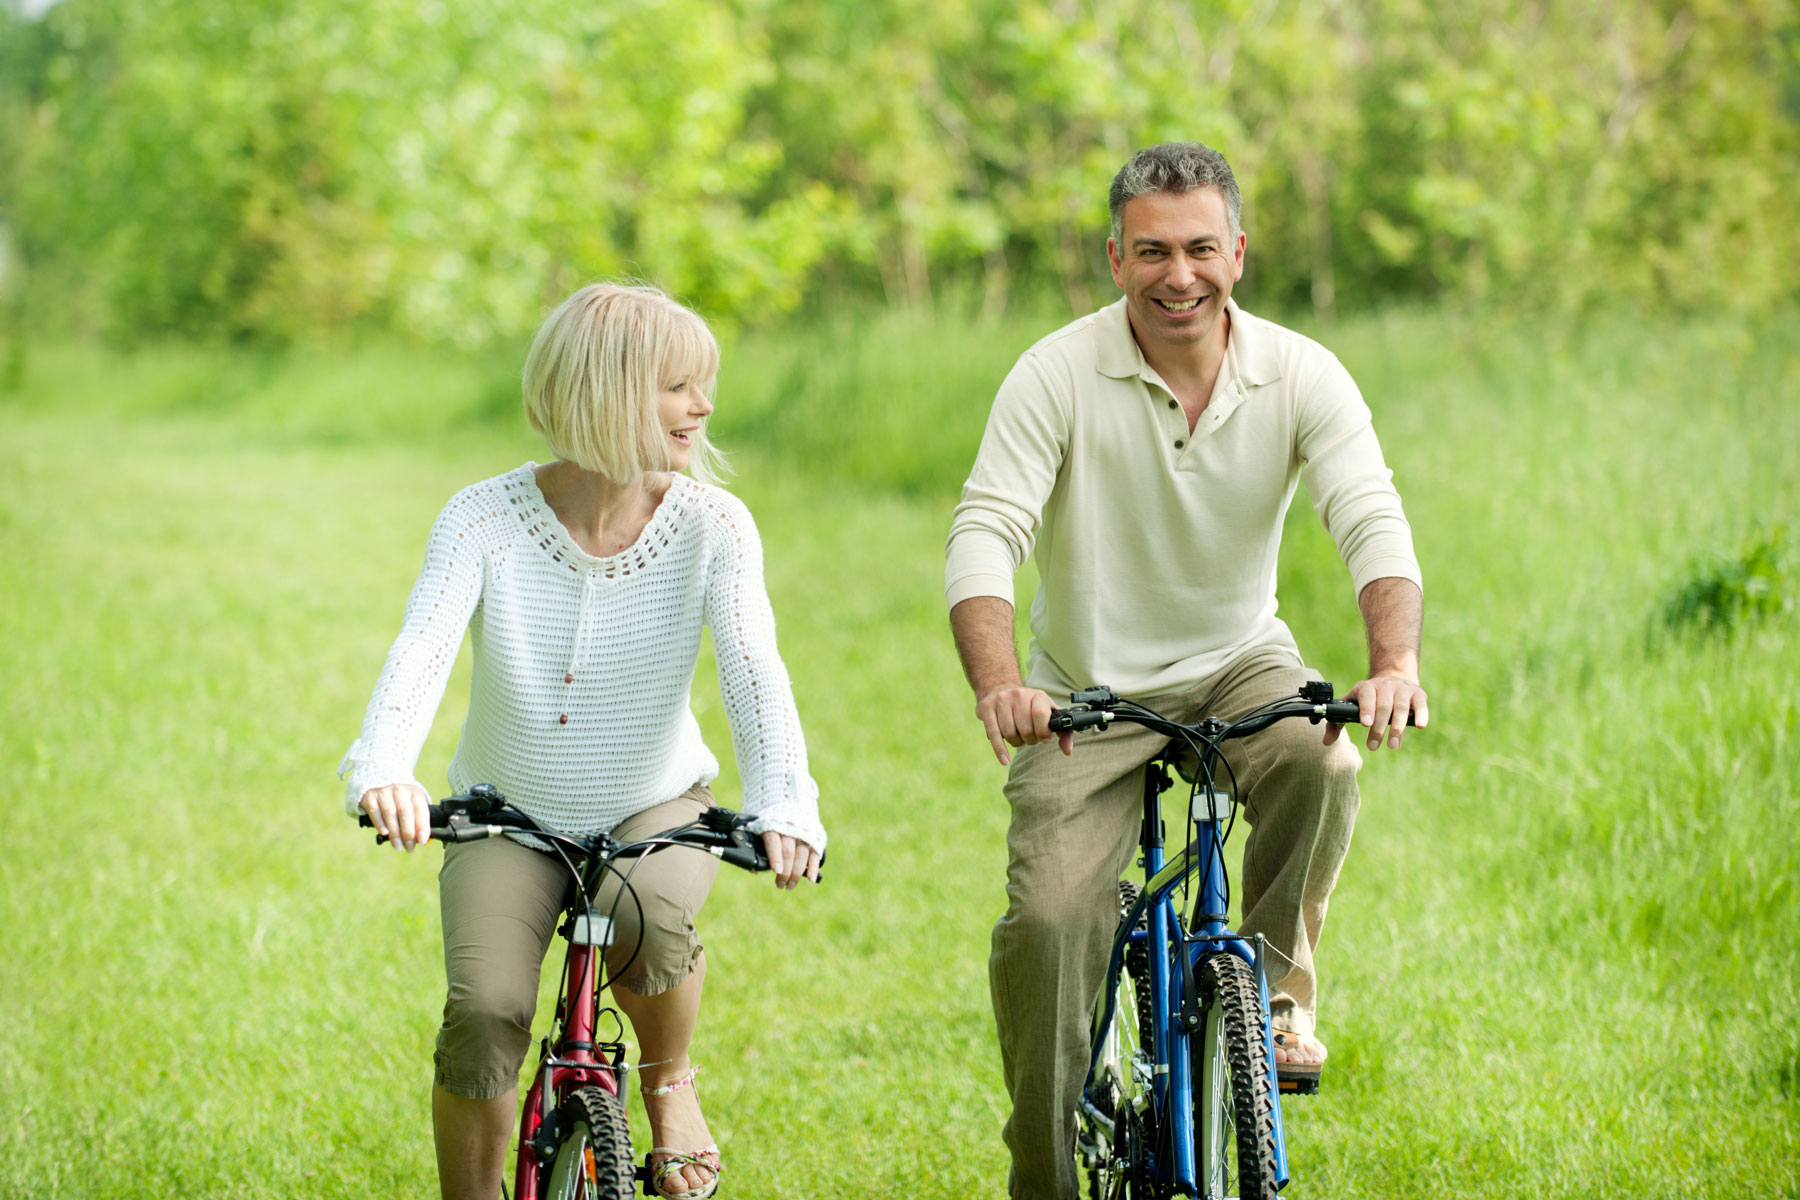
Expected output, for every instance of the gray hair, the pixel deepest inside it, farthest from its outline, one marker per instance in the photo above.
(1175, 167)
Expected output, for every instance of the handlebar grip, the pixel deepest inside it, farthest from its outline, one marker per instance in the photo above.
(439, 815)
(1066, 720)
(441, 830)
(1349, 712)
(749, 857)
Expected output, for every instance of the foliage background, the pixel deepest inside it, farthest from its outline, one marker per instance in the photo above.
(298, 168)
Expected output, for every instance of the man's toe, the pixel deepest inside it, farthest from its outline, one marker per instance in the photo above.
(1298, 1048)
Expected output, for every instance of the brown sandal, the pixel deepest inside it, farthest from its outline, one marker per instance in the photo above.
(1300, 1079)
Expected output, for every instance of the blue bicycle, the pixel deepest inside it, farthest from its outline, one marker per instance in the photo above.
(1182, 1091)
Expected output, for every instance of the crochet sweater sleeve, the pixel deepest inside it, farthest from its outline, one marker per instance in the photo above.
(759, 700)
(413, 678)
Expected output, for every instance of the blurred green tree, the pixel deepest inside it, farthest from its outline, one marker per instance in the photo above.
(295, 168)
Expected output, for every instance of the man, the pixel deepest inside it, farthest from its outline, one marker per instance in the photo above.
(1147, 453)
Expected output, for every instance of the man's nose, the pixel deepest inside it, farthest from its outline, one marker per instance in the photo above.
(1181, 273)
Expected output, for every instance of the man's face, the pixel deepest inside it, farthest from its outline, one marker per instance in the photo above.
(1176, 259)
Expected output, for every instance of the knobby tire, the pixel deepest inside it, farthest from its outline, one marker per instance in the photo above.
(593, 1155)
(1234, 1095)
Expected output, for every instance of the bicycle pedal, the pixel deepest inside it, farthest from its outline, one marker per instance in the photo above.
(1297, 1085)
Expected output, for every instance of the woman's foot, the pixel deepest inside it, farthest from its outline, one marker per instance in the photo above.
(684, 1161)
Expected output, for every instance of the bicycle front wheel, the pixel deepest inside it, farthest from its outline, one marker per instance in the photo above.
(593, 1153)
(1234, 1096)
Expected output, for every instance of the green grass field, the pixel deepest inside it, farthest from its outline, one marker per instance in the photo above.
(1563, 959)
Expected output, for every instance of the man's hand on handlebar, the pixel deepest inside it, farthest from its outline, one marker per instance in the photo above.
(790, 859)
(1018, 716)
(401, 812)
(1386, 702)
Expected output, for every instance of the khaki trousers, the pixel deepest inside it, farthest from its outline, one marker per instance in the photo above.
(501, 902)
(1074, 831)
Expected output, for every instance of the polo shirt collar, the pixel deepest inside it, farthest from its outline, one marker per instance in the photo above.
(1119, 356)
(1249, 354)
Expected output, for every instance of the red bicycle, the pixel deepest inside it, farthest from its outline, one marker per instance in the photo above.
(574, 1142)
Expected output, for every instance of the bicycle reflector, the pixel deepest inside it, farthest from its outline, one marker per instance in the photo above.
(592, 929)
(1211, 806)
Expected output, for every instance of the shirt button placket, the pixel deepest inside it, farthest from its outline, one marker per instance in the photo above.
(588, 584)
(1175, 406)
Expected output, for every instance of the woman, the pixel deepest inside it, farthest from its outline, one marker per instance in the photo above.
(584, 585)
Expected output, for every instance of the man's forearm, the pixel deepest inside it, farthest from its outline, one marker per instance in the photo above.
(1012, 714)
(983, 628)
(1393, 612)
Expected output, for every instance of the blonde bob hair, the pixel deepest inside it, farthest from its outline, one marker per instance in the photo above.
(596, 369)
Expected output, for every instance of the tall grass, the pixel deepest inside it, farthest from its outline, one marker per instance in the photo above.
(1562, 958)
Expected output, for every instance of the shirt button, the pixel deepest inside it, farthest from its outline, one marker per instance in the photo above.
(1172, 404)
(569, 677)
(1179, 443)
(563, 720)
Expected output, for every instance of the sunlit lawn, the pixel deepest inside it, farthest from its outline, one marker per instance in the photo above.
(1562, 960)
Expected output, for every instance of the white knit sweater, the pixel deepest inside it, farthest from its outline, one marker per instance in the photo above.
(578, 710)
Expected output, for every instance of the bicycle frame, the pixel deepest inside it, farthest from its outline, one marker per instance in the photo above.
(1172, 1090)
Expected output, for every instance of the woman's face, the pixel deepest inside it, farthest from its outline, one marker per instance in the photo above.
(682, 408)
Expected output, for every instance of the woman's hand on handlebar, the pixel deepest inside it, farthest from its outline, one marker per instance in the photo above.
(790, 859)
(1386, 702)
(401, 812)
(1018, 716)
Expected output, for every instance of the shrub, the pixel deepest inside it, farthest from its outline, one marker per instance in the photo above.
(1725, 590)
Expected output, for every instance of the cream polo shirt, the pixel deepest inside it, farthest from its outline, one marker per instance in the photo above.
(1156, 548)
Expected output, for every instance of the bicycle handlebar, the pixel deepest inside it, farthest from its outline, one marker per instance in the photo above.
(1098, 706)
(485, 813)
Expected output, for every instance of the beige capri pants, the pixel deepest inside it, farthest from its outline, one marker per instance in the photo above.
(500, 904)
